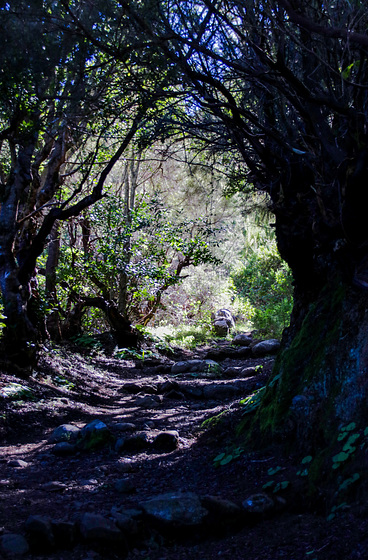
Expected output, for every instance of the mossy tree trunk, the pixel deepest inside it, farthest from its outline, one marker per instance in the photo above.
(319, 385)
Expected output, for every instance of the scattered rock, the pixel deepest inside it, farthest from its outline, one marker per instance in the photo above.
(54, 486)
(150, 401)
(175, 395)
(135, 388)
(123, 427)
(126, 523)
(223, 322)
(223, 510)
(242, 340)
(187, 366)
(221, 354)
(17, 463)
(96, 527)
(95, 434)
(250, 371)
(234, 371)
(258, 504)
(64, 449)
(175, 509)
(65, 533)
(65, 432)
(242, 353)
(196, 366)
(265, 347)
(40, 533)
(135, 442)
(192, 391)
(221, 327)
(168, 386)
(215, 391)
(12, 544)
(124, 486)
(166, 441)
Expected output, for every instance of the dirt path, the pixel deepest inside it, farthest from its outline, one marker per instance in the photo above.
(138, 401)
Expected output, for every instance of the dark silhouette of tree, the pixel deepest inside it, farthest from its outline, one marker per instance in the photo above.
(62, 101)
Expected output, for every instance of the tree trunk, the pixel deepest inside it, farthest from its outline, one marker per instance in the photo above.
(319, 386)
(19, 341)
(53, 319)
(121, 327)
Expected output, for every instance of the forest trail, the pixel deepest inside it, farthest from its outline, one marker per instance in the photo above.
(164, 431)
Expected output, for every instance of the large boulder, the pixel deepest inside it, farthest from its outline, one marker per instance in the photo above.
(266, 347)
(95, 527)
(65, 432)
(223, 322)
(206, 367)
(93, 435)
(175, 509)
(242, 339)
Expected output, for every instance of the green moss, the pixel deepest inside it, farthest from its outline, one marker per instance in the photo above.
(301, 366)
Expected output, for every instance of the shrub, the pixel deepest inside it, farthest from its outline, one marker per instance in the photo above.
(265, 285)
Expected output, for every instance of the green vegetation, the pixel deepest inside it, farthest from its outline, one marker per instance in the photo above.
(265, 284)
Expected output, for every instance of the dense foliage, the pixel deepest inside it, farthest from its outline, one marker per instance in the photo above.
(265, 283)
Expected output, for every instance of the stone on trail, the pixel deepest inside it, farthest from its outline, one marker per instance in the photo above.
(215, 391)
(174, 395)
(65, 432)
(258, 504)
(124, 486)
(54, 486)
(168, 386)
(123, 427)
(175, 509)
(196, 366)
(250, 371)
(12, 544)
(126, 523)
(233, 371)
(95, 527)
(136, 442)
(150, 401)
(136, 388)
(221, 327)
(40, 533)
(227, 351)
(166, 441)
(266, 347)
(242, 340)
(223, 510)
(93, 435)
(64, 449)
(65, 533)
(17, 463)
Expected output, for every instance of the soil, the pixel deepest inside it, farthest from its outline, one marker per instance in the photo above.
(76, 386)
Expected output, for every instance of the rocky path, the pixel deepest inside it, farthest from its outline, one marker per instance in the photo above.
(133, 472)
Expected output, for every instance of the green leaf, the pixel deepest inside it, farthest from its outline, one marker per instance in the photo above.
(226, 460)
(273, 471)
(340, 457)
(345, 74)
(219, 457)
